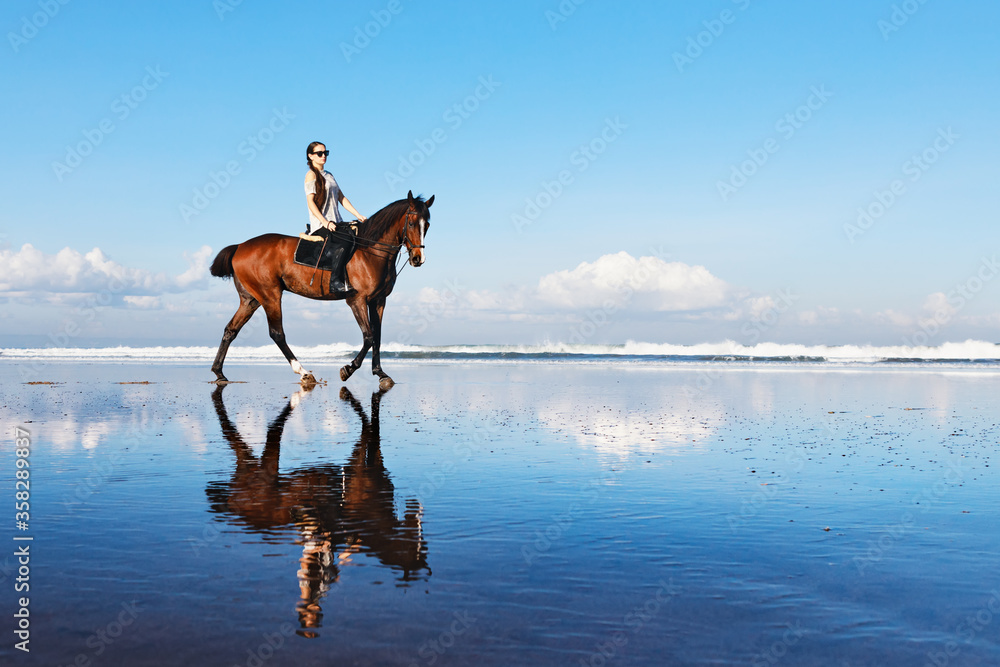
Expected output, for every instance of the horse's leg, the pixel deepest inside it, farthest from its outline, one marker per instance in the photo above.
(359, 307)
(272, 307)
(248, 306)
(375, 318)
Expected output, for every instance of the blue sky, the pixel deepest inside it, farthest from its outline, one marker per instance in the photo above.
(669, 97)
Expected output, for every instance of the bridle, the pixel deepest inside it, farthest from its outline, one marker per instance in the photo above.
(411, 218)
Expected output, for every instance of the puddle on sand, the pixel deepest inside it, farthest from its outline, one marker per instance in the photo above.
(511, 514)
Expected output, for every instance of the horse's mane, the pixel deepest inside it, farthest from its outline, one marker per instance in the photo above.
(377, 225)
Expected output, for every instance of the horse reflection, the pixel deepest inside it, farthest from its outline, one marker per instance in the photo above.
(337, 510)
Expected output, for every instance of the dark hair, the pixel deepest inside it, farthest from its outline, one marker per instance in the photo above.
(320, 197)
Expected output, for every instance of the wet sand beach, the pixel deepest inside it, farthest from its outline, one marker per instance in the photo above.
(519, 512)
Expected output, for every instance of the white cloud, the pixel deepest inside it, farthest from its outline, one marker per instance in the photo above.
(895, 318)
(197, 274)
(143, 302)
(617, 283)
(760, 305)
(989, 320)
(821, 315)
(70, 272)
(936, 306)
(654, 284)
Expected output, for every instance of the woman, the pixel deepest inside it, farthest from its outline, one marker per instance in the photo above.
(324, 201)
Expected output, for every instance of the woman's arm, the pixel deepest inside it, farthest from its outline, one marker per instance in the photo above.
(350, 207)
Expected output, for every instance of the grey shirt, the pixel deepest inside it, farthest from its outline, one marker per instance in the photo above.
(331, 207)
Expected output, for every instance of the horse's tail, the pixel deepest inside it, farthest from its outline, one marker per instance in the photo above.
(222, 267)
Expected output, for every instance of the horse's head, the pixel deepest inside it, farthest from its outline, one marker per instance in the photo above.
(418, 221)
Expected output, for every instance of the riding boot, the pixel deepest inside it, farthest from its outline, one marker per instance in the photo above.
(338, 276)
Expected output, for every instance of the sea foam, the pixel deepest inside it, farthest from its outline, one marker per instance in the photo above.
(969, 350)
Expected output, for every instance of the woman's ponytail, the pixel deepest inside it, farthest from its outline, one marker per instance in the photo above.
(320, 197)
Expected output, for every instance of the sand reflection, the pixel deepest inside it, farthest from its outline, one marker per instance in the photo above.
(337, 510)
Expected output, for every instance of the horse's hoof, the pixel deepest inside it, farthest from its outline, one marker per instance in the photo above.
(345, 373)
(386, 383)
(308, 380)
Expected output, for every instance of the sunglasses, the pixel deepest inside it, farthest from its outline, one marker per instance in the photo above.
(323, 153)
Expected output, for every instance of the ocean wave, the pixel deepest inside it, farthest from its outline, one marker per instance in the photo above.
(967, 351)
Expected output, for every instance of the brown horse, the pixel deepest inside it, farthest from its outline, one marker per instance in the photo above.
(264, 267)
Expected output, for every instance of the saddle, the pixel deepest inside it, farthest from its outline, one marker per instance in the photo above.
(330, 251)
(342, 241)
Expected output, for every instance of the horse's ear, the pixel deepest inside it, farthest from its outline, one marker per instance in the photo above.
(429, 202)
(409, 197)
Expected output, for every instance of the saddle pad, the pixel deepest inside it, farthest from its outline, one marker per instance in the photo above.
(307, 253)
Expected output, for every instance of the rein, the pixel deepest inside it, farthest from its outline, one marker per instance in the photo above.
(388, 248)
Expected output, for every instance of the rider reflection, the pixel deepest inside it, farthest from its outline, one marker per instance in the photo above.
(338, 511)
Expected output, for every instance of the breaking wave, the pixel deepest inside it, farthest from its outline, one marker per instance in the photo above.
(972, 351)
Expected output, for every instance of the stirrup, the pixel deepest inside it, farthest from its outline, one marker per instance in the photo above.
(341, 288)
